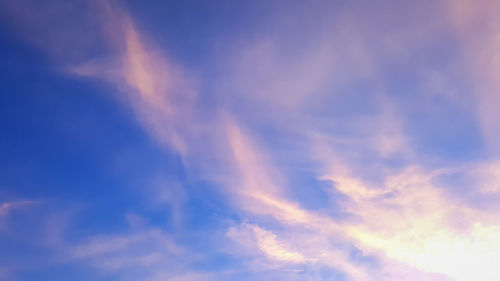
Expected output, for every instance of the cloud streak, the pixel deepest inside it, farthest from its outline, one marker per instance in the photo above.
(7, 207)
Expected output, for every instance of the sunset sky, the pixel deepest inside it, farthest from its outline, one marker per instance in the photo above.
(235, 140)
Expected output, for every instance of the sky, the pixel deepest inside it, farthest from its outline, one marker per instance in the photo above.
(196, 140)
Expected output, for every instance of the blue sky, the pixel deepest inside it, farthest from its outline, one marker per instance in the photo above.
(249, 140)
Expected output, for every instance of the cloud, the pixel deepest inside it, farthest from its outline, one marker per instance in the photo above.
(7, 207)
(157, 89)
(326, 107)
(119, 252)
(476, 25)
(404, 221)
(487, 177)
(423, 228)
(139, 252)
(267, 198)
(252, 235)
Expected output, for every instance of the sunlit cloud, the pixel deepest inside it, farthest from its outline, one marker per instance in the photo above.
(421, 227)
(160, 94)
(321, 151)
(252, 235)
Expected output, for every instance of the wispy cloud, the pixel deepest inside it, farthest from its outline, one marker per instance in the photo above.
(157, 89)
(477, 27)
(7, 207)
(10, 208)
(134, 250)
(252, 235)
(338, 107)
(421, 225)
